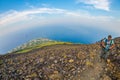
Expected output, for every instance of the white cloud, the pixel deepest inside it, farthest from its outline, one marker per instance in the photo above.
(98, 4)
(18, 16)
(13, 21)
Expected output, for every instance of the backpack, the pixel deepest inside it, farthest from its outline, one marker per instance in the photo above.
(105, 41)
(110, 41)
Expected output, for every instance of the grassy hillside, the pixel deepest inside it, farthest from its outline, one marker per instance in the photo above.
(36, 44)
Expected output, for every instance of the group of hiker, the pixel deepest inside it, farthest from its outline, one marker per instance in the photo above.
(107, 45)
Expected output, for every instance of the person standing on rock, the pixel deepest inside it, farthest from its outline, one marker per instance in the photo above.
(107, 46)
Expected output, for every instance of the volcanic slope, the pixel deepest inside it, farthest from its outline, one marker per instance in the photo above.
(61, 62)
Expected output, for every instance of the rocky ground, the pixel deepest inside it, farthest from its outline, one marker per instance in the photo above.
(60, 62)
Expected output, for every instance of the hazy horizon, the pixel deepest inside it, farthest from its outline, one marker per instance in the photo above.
(77, 21)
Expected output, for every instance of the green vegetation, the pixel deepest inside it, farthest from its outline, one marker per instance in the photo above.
(1, 61)
(28, 49)
(36, 44)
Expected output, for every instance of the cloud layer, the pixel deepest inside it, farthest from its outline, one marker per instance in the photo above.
(13, 20)
(98, 4)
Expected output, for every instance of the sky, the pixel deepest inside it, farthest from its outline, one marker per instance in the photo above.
(79, 20)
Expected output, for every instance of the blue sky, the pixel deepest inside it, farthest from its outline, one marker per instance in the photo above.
(19, 5)
(97, 18)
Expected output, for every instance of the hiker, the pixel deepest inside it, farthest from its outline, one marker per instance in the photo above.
(107, 46)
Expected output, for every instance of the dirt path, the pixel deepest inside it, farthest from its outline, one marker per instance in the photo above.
(96, 71)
